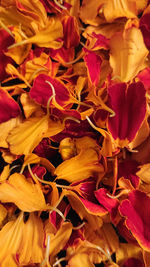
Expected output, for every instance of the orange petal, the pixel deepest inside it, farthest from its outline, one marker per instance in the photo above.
(144, 173)
(21, 241)
(113, 9)
(24, 194)
(6, 128)
(60, 239)
(31, 247)
(128, 62)
(18, 54)
(126, 251)
(141, 135)
(80, 259)
(47, 37)
(80, 167)
(5, 173)
(24, 138)
(29, 106)
(3, 214)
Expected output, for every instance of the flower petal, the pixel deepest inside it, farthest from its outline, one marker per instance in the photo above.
(25, 137)
(129, 61)
(125, 102)
(137, 219)
(8, 107)
(26, 195)
(80, 167)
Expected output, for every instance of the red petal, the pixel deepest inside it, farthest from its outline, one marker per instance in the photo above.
(128, 169)
(8, 107)
(71, 32)
(126, 102)
(145, 29)
(101, 43)
(41, 90)
(110, 204)
(132, 262)
(5, 41)
(137, 217)
(93, 63)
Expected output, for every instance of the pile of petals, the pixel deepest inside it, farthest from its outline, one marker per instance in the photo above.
(75, 133)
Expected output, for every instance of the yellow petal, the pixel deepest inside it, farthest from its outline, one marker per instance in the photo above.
(128, 62)
(26, 195)
(80, 167)
(24, 138)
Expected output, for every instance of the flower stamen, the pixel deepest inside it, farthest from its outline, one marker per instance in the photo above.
(60, 5)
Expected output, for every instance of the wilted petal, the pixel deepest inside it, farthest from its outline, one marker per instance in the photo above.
(137, 218)
(23, 193)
